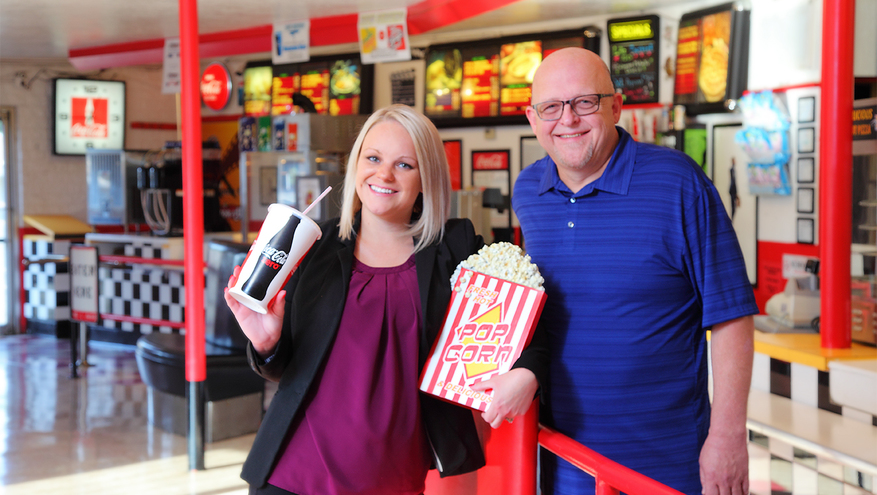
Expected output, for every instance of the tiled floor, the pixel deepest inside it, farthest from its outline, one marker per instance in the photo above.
(90, 435)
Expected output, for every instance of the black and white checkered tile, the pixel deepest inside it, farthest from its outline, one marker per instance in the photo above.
(778, 468)
(798, 382)
(46, 283)
(154, 293)
(158, 248)
(792, 470)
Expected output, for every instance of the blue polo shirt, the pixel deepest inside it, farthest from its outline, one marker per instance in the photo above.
(637, 265)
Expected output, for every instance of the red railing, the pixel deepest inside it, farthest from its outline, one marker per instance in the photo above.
(511, 456)
(611, 478)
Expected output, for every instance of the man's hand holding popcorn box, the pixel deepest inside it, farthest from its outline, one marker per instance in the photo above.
(493, 311)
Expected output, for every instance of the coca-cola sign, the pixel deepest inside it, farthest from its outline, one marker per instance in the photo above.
(490, 160)
(88, 117)
(216, 86)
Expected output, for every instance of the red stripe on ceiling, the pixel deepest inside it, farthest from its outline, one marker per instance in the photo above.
(433, 14)
(334, 30)
(422, 17)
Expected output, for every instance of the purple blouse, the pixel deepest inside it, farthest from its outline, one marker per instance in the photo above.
(361, 433)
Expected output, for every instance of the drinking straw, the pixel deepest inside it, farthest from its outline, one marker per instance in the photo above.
(316, 200)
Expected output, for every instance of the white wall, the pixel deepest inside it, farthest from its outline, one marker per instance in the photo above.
(46, 184)
(786, 36)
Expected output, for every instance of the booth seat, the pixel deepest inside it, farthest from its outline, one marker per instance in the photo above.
(233, 393)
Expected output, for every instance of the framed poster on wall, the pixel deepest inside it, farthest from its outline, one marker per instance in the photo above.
(490, 171)
(454, 152)
(531, 151)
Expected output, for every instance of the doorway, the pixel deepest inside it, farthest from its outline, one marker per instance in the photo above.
(8, 284)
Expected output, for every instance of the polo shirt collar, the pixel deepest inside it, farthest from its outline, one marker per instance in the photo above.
(615, 178)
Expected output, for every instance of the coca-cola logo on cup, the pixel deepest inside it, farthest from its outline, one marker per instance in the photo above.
(490, 161)
(216, 86)
(275, 255)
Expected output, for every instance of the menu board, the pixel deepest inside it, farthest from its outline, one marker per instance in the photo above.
(480, 95)
(444, 78)
(488, 82)
(335, 85)
(633, 60)
(517, 65)
(258, 82)
(315, 85)
(711, 58)
(345, 87)
(284, 87)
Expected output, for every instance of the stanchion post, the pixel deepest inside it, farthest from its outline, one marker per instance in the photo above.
(83, 345)
(73, 342)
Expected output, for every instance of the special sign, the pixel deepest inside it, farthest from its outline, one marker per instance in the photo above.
(83, 284)
(633, 43)
(488, 325)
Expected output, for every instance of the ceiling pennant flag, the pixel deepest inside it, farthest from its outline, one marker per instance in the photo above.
(290, 42)
(383, 36)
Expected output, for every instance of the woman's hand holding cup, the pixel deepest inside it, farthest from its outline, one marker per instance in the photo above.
(263, 330)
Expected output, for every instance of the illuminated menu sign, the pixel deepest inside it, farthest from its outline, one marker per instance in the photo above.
(480, 94)
(518, 63)
(315, 85)
(711, 58)
(633, 61)
(258, 83)
(488, 82)
(345, 87)
(444, 78)
(281, 95)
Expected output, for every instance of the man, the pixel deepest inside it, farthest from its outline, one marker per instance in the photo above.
(639, 259)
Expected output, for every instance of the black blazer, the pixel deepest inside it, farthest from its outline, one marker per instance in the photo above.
(316, 294)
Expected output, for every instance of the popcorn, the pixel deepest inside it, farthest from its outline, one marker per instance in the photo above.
(496, 301)
(503, 260)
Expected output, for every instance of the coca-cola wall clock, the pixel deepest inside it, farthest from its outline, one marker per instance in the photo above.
(89, 114)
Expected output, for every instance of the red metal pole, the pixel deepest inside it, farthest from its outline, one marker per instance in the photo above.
(193, 194)
(193, 228)
(835, 172)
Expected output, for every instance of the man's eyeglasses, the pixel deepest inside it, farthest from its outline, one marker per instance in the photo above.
(580, 105)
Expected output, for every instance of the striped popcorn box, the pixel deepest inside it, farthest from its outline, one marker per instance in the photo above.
(488, 324)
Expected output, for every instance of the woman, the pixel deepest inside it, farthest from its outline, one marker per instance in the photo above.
(349, 335)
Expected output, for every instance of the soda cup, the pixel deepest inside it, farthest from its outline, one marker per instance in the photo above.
(284, 239)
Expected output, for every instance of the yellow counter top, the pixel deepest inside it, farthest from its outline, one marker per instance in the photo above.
(805, 348)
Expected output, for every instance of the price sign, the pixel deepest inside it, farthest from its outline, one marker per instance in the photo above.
(83, 284)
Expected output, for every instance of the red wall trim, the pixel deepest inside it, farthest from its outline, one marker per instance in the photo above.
(325, 31)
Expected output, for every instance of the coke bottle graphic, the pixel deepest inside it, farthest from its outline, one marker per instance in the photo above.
(271, 260)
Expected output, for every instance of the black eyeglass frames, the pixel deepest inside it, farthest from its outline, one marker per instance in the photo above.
(580, 105)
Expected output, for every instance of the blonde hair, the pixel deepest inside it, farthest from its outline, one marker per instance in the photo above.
(435, 178)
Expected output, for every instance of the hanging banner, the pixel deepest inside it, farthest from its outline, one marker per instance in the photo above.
(170, 80)
(383, 36)
(290, 42)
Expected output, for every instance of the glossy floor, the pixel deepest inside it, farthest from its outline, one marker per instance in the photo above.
(91, 436)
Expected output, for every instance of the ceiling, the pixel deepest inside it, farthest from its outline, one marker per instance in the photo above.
(49, 29)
